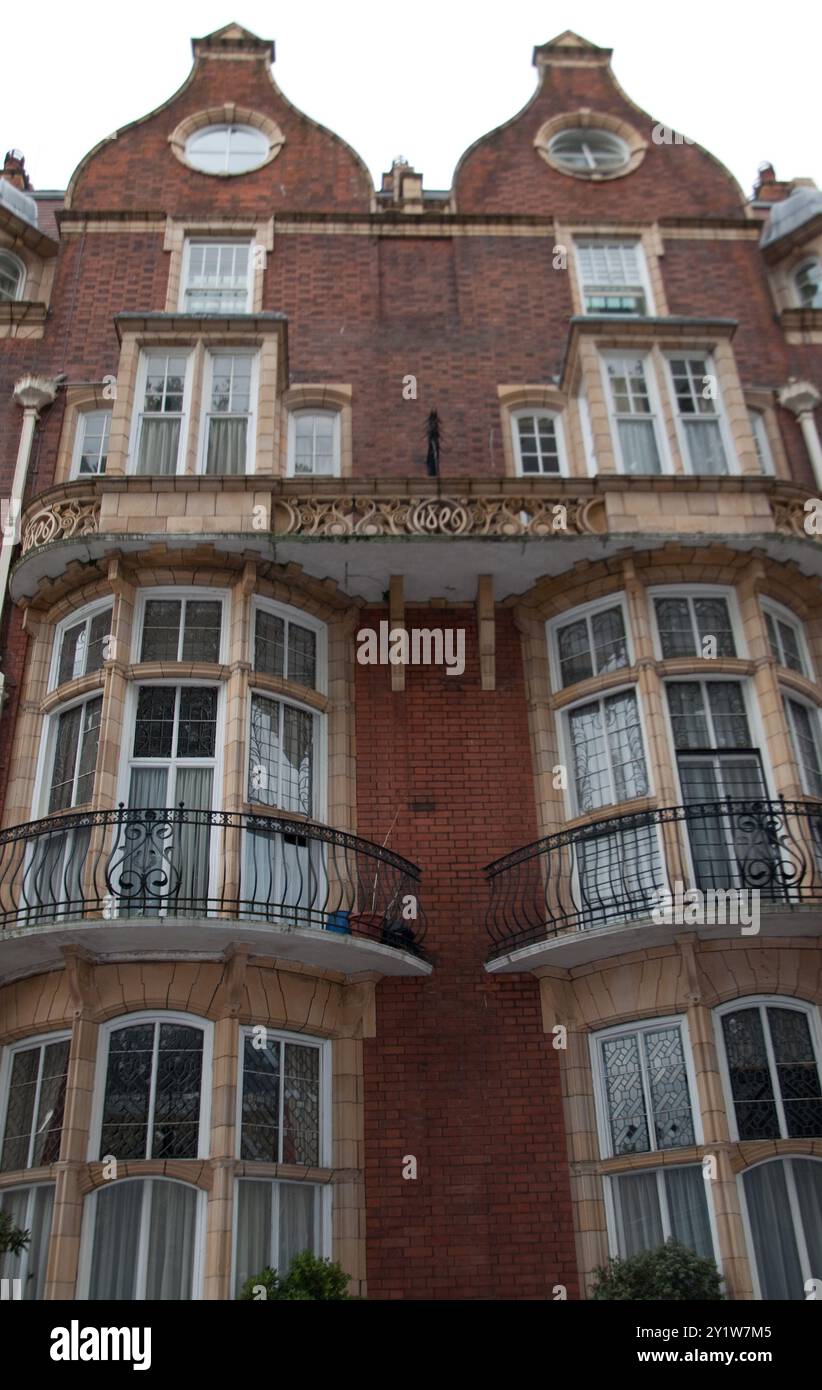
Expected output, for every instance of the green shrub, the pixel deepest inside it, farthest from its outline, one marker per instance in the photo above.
(668, 1273)
(308, 1279)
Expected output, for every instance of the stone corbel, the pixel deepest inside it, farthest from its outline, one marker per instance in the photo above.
(233, 982)
(358, 1013)
(81, 981)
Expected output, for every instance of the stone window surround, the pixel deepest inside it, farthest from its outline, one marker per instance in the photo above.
(556, 599)
(227, 114)
(690, 979)
(334, 396)
(241, 991)
(38, 266)
(178, 231)
(652, 248)
(198, 341)
(781, 273)
(235, 677)
(79, 400)
(583, 118)
(762, 400)
(651, 340)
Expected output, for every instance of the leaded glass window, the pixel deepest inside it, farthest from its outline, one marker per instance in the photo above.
(685, 623)
(75, 755)
(83, 646)
(773, 1071)
(284, 648)
(785, 642)
(181, 629)
(803, 722)
(281, 1101)
(609, 758)
(151, 1107)
(708, 714)
(35, 1103)
(646, 1089)
(281, 755)
(175, 721)
(592, 644)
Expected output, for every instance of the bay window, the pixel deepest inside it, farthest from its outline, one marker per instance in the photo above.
(771, 1054)
(699, 414)
(80, 644)
(593, 642)
(275, 1222)
(803, 723)
(143, 1240)
(785, 638)
(605, 737)
(228, 426)
(180, 629)
(74, 755)
(282, 755)
(29, 1208)
(808, 284)
(291, 648)
(154, 1101)
(783, 1203)
(634, 414)
(34, 1087)
(686, 621)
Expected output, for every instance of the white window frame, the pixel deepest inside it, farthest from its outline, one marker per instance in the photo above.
(322, 1215)
(24, 1258)
(300, 618)
(805, 264)
(755, 728)
(227, 127)
(566, 748)
(79, 439)
(582, 240)
(90, 1220)
(591, 464)
(80, 615)
(101, 1069)
(761, 438)
(816, 733)
(611, 1224)
(646, 1025)
(45, 758)
(586, 611)
(127, 759)
(40, 1041)
(786, 1161)
(323, 1046)
(719, 414)
(781, 614)
(215, 241)
(319, 789)
(20, 267)
(336, 414)
(179, 593)
(590, 167)
(656, 416)
(250, 415)
(763, 1001)
(146, 352)
(539, 412)
(691, 592)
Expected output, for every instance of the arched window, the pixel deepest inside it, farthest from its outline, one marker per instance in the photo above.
(143, 1240)
(12, 277)
(34, 1096)
(771, 1050)
(808, 282)
(227, 149)
(588, 150)
(153, 1102)
(783, 1204)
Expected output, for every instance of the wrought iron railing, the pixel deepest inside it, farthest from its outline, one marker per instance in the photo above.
(158, 863)
(624, 868)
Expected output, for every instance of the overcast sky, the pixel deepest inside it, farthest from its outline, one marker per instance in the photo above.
(422, 78)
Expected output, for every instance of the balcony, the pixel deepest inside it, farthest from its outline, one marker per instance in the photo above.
(137, 881)
(623, 883)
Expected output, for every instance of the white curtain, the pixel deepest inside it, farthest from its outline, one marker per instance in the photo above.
(254, 1225)
(297, 1202)
(638, 443)
(226, 444)
(172, 1233)
(774, 1242)
(34, 1216)
(159, 444)
(688, 1208)
(116, 1239)
(193, 838)
(808, 1177)
(705, 446)
(638, 1219)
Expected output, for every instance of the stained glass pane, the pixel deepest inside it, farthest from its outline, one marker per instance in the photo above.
(269, 649)
(298, 760)
(72, 653)
(625, 745)
(301, 1105)
(713, 619)
(65, 759)
(610, 645)
(302, 655)
(52, 1103)
(161, 630)
(154, 725)
(626, 1099)
(201, 637)
(128, 1086)
(797, 1072)
(670, 1098)
(20, 1110)
(264, 751)
(99, 630)
(574, 652)
(177, 1094)
(728, 713)
(260, 1139)
(688, 721)
(751, 1084)
(676, 632)
(197, 733)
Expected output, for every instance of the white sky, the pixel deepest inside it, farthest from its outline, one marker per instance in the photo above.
(422, 78)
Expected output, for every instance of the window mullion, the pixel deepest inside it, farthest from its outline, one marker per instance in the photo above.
(35, 1112)
(275, 1228)
(646, 1089)
(662, 1198)
(282, 1104)
(141, 1267)
(798, 1224)
(152, 1092)
(774, 1070)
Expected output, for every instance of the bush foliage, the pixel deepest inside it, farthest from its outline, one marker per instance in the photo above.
(308, 1279)
(669, 1273)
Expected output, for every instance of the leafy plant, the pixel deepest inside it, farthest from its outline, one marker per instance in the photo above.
(667, 1273)
(13, 1240)
(308, 1279)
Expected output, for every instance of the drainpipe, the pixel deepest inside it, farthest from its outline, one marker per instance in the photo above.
(801, 398)
(32, 394)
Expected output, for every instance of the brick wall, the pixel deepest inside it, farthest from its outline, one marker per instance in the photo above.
(460, 1074)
